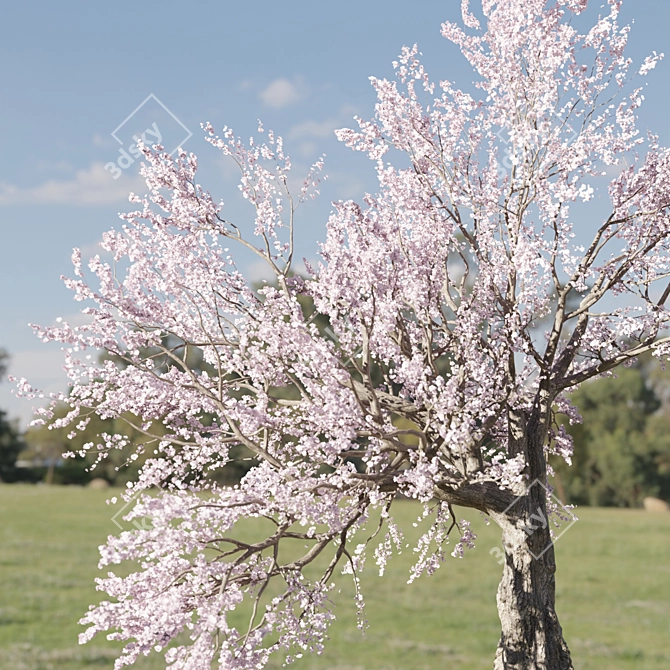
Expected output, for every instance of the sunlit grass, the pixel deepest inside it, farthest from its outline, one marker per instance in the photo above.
(613, 593)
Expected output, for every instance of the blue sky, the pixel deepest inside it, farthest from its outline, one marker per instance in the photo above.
(73, 72)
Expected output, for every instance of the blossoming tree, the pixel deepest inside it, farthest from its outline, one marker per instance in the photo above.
(460, 309)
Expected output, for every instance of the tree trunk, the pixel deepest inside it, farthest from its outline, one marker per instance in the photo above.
(49, 478)
(531, 638)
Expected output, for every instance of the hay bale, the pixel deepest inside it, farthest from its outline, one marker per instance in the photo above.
(655, 505)
(98, 483)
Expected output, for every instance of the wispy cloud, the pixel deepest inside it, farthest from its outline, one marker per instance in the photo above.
(308, 133)
(93, 186)
(282, 92)
(99, 140)
(325, 128)
(50, 166)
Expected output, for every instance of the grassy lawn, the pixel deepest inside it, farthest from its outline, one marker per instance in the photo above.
(613, 594)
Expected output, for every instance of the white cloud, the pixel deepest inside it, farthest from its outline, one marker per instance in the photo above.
(54, 166)
(94, 186)
(325, 128)
(307, 149)
(612, 171)
(88, 251)
(76, 318)
(102, 141)
(350, 186)
(258, 271)
(282, 93)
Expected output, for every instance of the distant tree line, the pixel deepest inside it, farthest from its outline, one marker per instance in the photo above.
(11, 443)
(622, 447)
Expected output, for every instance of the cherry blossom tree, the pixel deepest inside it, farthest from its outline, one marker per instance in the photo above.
(427, 355)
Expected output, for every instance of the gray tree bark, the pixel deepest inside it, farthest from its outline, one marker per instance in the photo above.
(532, 638)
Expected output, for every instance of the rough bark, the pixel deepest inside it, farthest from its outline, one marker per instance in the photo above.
(532, 638)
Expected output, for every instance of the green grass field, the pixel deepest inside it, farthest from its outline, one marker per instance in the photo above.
(613, 594)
